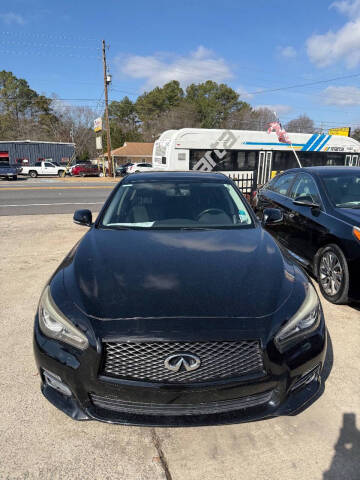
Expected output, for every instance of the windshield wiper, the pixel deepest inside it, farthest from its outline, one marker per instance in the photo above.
(114, 227)
(348, 205)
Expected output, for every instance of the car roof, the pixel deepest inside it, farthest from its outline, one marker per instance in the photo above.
(163, 176)
(325, 170)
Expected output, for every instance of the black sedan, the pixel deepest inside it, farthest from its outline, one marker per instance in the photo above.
(200, 320)
(319, 224)
(120, 170)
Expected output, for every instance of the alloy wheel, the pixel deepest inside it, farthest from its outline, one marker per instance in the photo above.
(331, 273)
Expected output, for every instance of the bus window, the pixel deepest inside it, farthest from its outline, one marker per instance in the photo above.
(224, 162)
(331, 158)
(240, 162)
(251, 160)
(283, 161)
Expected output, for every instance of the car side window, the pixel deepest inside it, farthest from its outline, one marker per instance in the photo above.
(283, 183)
(48, 164)
(305, 190)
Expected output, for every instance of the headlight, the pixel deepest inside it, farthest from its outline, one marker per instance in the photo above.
(53, 323)
(305, 320)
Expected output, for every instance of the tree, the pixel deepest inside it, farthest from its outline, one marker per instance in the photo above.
(182, 116)
(301, 124)
(213, 102)
(124, 122)
(23, 112)
(75, 124)
(261, 118)
(159, 100)
(356, 134)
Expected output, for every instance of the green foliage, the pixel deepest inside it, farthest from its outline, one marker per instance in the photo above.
(22, 109)
(159, 100)
(214, 102)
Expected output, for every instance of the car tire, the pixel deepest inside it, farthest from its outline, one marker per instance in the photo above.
(137, 171)
(33, 173)
(14, 177)
(333, 274)
(101, 174)
(60, 173)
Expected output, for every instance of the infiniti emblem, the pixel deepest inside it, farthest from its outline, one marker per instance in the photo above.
(180, 361)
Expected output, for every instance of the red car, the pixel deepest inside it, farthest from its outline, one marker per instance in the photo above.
(86, 170)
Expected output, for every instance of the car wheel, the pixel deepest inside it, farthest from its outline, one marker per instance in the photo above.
(14, 177)
(60, 173)
(101, 174)
(33, 174)
(333, 274)
(137, 171)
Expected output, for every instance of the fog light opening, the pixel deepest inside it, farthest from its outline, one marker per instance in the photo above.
(55, 382)
(307, 378)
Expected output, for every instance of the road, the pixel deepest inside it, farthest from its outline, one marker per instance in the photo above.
(40, 196)
(40, 442)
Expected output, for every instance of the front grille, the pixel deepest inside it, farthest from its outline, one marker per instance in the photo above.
(146, 361)
(114, 404)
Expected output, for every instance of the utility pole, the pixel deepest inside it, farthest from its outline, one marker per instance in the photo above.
(107, 80)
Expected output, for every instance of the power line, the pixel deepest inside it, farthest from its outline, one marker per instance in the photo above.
(343, 77)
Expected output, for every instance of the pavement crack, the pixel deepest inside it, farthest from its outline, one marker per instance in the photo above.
(163, 461)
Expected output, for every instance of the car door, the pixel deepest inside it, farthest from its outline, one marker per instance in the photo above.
(49, 169)
(275, 195)
(305, 222)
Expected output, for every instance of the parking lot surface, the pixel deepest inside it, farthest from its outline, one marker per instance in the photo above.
(39, 442)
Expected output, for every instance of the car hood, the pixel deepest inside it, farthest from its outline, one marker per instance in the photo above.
(351, 215)
(206, 273)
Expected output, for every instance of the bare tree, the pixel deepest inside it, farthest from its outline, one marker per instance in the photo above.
(301, 124)
(75, 124)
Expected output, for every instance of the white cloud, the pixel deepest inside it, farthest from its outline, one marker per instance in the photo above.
(158, 69)
(11, 17)
(278, 108)
(287, 52)
(244, 94)
(347, 7)
(340, 45)
(341, 96)
(324, 50)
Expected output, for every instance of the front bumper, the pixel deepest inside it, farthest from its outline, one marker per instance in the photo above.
(291, 385)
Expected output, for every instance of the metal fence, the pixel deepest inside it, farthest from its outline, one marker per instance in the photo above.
(246, 181)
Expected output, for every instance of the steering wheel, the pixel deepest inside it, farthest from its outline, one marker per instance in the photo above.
(213, 211)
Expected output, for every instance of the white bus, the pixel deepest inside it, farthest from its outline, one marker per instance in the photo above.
(245, 153)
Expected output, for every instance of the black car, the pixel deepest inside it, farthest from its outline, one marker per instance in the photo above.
(320, 224)
(121, 169)
(200, 320)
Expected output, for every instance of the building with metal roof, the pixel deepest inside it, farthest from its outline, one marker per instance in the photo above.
(28, 152)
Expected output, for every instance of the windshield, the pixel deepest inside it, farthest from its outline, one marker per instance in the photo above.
(344, 190)
(158, 205)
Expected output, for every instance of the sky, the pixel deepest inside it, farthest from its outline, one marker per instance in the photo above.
(272, 52)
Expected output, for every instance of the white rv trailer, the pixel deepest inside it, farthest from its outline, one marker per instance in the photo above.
(239, 153)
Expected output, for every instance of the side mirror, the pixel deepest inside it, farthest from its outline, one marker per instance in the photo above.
(83, 217)
(272, 216)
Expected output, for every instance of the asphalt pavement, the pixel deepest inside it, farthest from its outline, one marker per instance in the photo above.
(40, 196)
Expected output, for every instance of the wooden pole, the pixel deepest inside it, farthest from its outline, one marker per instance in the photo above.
(107, 123)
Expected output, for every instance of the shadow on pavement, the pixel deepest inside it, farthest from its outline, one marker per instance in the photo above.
(346, 460)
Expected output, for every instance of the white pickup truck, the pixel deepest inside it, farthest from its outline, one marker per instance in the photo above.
(42, 168)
